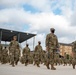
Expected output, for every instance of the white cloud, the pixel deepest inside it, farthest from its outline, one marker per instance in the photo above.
(42, 5)
(13, 18)
(11, 3)
(66, 40)
(73, 19)
(39, 22)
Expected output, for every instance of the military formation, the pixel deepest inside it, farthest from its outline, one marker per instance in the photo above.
(48, 57)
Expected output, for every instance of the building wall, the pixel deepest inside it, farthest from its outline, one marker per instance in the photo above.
(65, 48)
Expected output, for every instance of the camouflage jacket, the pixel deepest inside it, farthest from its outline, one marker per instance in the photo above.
(52, 41)
(13, 44)
(26, 51)
(17, 52)
(38, 49)
(4, 52)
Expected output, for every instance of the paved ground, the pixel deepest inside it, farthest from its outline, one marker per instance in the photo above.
(33, 70)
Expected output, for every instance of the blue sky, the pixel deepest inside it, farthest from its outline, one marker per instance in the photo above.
(57, 11)
(30, 8)
(38, 16)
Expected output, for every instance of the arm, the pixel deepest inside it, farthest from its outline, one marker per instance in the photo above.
(18, 45)
(47, 42)
(19, 52)
(35, 48)
(10, 47)
(23, 52)
(57, 44)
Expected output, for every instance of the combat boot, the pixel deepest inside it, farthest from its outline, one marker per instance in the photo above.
(73, 66)
(16, 63)
(13, 65)
(25, 64)
(52, 67)
(47, 65)
(38, 65)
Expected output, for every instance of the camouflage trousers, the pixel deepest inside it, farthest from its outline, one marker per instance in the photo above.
(26, 59)
(74, 58)
(30, 59)
(14, 59)
(4, 59)
(42, 59)
(57, 61)
(22, 60)
(51, 56)
(37, 59)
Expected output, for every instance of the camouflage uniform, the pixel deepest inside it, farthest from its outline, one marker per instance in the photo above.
(31, 58)
(22, 60)
(13, 46)
(46, 59)
(4, 56)
(70, 60)
(1, 47)
(74, 54)
(43, 57)
(65, 59)
(26, 54)
(51, 45)
(57, 58)
(37, 55)
(60, 61)
(17, 55)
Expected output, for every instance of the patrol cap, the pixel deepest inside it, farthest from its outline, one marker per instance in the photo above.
(27, 44)
(39, 42)
(15, 36)
(52, 29)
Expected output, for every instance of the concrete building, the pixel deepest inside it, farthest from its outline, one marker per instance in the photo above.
(65, 48)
